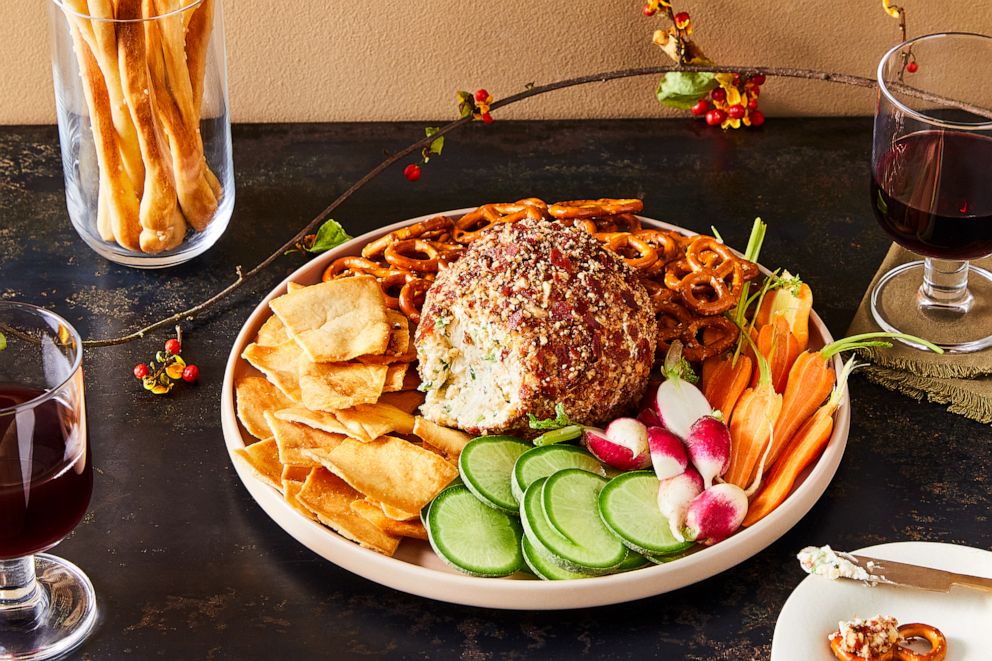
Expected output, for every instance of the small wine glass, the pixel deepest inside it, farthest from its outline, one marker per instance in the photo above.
(931, 188)
(47, 605)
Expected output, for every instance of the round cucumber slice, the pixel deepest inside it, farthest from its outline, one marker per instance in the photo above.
(548, 460)
(544, 566)
(573, 494)
(485, 465)
(628, 505)
(472, 537)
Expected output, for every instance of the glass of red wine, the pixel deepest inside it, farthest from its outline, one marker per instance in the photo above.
(931, 188)
(47, 605)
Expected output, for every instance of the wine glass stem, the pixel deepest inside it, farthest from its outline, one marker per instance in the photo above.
(21, 600)
(945, 286)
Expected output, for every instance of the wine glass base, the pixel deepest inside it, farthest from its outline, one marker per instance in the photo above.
(895, 307)
(61, 619)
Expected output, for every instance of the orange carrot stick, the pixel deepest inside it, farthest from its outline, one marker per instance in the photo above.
(751, 427)
(807, 445)
(726, 381)
(780, 347)
(792, 303)
(809, 383)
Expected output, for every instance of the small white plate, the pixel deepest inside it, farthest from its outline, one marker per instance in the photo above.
(963, 615)
(417, 570)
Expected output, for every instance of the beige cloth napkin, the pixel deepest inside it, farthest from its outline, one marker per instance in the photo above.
(962, 382)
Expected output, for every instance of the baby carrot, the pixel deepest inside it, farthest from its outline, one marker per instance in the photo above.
(724, 380)
(751, 426)
(780, 347)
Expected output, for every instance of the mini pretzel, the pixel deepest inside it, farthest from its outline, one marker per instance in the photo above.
(673, 322)
(411, 298)
(937, 652)
(675, 272)
(722, 300)
(403, 255)
(427, 229)
(646, 254)
(711, 343)
(707, 252)
(469, 226)
(355, 265)
(667, 246)
(658, 293)
(394, 282)
(580, 209)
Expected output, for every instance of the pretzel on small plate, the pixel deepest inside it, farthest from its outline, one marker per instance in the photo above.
(917, 631)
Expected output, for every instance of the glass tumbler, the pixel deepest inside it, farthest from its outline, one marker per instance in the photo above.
(142, 109)
(47, 605)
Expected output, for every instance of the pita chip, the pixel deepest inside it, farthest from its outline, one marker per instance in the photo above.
(337, 320)
(447, 440)
(333, 386)
(255, 395)
(330, 499)
(263, 459)
(279, 364)
(292, 438)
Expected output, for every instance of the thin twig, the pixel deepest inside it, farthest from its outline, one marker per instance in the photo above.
(810, 74)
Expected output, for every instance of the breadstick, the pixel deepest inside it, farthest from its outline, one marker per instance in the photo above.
(197, 41)
(162, 224)
(118, 204)
(101, 37)
(173, 96)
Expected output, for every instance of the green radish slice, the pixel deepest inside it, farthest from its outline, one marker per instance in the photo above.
(485, 465)
(572, 495)
(628, 505)
(423, 511)
(544, 566)
(472, 537)
(547, 460)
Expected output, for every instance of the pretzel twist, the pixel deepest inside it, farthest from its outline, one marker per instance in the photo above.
(434, 227)
(645, 256)
(411, 299)
(404, 255)
(937, 651)
(582, 209)
(469, 227)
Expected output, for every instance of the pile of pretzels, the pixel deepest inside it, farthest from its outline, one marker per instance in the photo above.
(143, 81)
(692, 280)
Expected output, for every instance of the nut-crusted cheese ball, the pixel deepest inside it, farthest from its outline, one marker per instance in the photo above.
(534, 314)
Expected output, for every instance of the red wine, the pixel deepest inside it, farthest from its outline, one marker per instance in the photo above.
(932, 193)
(45, 473)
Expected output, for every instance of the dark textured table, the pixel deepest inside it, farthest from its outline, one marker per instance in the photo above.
(185, 564)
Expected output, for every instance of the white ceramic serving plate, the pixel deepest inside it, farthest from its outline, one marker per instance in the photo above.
(416, 569)
(963, 615)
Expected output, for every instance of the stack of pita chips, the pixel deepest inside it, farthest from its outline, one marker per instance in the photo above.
(334, 414)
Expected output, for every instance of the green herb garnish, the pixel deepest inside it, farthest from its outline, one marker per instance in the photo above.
(560, 420)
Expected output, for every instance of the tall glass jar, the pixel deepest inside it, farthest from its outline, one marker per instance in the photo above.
(142, 108)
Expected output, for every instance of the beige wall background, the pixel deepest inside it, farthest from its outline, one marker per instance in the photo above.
(317, 60)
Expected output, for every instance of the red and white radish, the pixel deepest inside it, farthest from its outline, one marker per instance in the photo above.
(716, 513)
(667, 453)
(674, 496)
(708, 443)
(678, 403)
(649, 417)
(624, 444)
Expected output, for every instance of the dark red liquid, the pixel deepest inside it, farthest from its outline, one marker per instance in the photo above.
(45, 486)
(932, 192)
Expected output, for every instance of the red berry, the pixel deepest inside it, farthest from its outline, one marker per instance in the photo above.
(758, 79)
(754, 91)
(736, 111)
(649, 10)
(719, 95)
(912, 67)
(173, 347)
(757, 118)
(682, 20)
(700, 108)
(191, 373)
(481, 95)
(412, 172)
(715, 117)
(140, 371)
(752, 104)
(487, 118)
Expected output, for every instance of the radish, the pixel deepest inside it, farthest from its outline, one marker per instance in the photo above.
(649, 417)
(708, 443)
(667, 453)
(674, 496)
(716, 513)
(624, 444)
(678, 402)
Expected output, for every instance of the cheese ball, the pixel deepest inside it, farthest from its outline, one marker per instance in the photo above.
(533, 315)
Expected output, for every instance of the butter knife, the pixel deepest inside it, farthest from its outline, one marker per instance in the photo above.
(889, 572)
